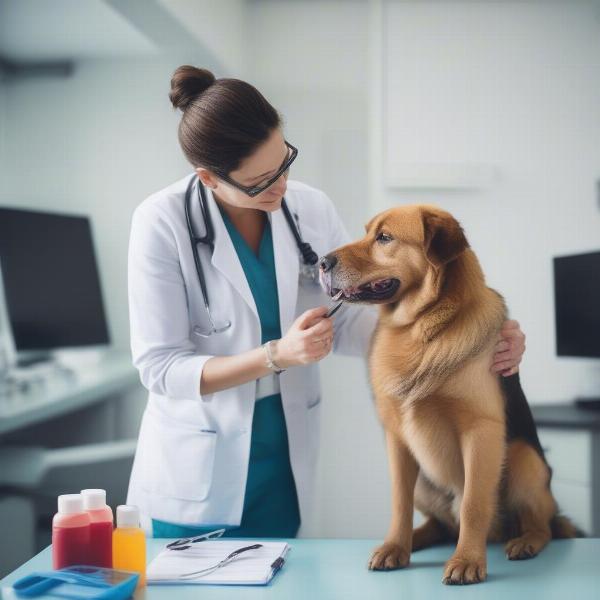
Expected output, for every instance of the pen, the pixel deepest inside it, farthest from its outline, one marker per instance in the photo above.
(277, 564)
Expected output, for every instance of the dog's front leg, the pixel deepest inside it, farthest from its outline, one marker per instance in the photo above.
(394, 553)
(483, 452)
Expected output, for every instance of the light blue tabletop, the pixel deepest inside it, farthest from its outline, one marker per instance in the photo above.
(332, 569)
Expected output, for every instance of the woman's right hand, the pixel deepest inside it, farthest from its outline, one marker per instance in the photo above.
(308, 340)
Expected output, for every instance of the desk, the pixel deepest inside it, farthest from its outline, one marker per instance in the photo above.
(62, 394)
(336, 569)
(570, 437)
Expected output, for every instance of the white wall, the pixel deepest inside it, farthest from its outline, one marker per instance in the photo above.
(515, 85)
(219, 26)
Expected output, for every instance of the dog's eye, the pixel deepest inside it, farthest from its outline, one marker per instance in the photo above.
(383, 238)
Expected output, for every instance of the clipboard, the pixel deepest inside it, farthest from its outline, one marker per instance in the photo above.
(255, 567)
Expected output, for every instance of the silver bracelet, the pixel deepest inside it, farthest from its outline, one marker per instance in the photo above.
(269, 359)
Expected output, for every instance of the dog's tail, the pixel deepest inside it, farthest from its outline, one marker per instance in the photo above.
(563, 528)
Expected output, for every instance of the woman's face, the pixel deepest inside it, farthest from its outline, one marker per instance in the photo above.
(253, 171)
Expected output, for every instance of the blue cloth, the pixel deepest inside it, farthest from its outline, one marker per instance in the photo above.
(270, 502)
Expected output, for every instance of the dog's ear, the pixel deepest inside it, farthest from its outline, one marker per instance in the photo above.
(370, 224)
(444, 238)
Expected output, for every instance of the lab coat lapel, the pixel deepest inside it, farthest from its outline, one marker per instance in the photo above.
(286, 268)
(225, 258)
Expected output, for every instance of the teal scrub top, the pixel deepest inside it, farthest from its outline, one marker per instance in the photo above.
(270, 501)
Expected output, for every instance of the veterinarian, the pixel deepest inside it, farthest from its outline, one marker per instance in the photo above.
(228, 323)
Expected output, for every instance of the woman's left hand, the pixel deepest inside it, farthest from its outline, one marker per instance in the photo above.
(509, 350)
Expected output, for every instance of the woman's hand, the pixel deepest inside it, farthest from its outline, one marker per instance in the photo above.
(308, 340)
(509, 350)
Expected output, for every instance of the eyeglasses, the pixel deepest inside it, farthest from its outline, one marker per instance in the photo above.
(254, 190)
(185, 543)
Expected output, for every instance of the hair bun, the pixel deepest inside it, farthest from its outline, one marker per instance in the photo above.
(187, 84)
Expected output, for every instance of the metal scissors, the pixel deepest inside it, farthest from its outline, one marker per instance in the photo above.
(222, 563)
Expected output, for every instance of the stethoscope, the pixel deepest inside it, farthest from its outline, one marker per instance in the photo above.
(308, 269)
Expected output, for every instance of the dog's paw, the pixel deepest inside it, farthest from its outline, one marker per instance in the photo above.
(389, 556)
(521, 548)
(460, 571)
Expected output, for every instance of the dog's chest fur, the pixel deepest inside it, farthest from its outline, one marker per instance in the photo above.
(430, 423)
(433, 441)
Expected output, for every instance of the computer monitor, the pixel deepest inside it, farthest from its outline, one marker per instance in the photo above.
(50, 279)
(577, 304)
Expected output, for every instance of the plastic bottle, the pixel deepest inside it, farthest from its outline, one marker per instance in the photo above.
(129, 542)
(70, 532)
(101, 527)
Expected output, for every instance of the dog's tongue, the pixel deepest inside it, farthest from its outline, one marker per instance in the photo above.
(375, 286)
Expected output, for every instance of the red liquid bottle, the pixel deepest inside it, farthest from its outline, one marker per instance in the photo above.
(101, 528)
(70, 532)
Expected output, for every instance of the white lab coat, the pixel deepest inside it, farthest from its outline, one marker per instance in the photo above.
(192, 456)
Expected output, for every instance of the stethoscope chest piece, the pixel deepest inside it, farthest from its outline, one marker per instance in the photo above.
(205, 333)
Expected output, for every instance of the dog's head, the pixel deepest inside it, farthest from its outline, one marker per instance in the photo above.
(405, 249)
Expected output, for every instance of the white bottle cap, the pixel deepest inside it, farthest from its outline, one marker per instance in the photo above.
(128, 516)
(70, 504)
(93, 499)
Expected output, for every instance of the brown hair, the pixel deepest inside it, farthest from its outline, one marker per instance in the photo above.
(224, 120)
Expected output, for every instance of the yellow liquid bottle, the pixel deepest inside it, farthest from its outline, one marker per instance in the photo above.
(129, 543)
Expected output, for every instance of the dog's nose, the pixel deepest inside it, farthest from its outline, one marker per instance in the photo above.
(328, 262)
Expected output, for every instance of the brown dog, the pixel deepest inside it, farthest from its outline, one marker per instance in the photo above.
(461, 441)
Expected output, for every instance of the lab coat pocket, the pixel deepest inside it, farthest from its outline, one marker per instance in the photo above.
(177, 458)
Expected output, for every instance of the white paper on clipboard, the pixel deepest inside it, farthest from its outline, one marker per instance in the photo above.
(252, 568)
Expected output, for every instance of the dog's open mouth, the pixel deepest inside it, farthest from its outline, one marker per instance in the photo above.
(378, 290)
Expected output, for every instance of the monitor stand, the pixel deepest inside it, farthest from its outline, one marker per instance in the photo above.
(70, 358)
(33, 358)
(588, 403)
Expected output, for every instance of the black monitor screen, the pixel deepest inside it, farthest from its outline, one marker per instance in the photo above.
(51, 282)
(577, 304)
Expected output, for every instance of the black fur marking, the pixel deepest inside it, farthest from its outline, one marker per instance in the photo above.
(519, 420)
